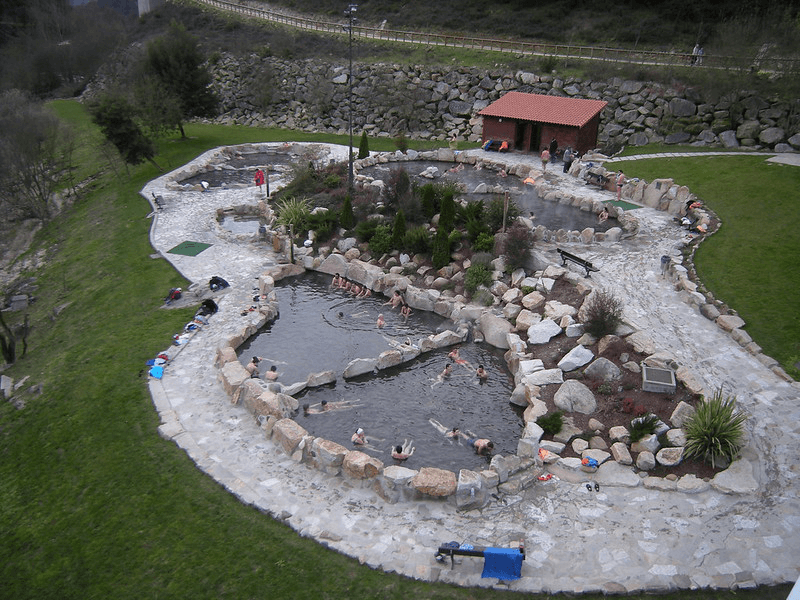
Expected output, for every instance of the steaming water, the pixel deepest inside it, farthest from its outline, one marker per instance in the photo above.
(321, 329)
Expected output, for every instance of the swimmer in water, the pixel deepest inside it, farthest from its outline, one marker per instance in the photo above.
(452, 434)
(481, 373)
(359, 437)
(404, 451)
(456, 357)
(380, 322)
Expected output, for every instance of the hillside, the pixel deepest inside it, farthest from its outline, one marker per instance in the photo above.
(658, 24)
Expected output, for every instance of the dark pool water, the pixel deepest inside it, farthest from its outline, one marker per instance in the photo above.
(551, 215)
(311, 335)
(242, 169)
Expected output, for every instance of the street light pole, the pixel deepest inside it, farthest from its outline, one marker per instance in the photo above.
(351, 12)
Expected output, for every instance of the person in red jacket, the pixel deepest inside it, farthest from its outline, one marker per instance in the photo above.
(259, 179)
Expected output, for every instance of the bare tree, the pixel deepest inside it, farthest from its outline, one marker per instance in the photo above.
(35, 149)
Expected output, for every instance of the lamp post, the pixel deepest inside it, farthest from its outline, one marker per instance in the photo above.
(351, 16)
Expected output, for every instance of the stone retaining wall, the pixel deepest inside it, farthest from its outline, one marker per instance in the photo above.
(429, 103)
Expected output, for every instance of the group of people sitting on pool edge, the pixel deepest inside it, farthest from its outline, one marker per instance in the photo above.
(252, 368)
(353, 288)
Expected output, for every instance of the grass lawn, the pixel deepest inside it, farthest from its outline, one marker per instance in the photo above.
(93, 503)
(751, 262)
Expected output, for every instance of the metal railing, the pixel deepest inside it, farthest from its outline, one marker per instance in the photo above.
(520, 48)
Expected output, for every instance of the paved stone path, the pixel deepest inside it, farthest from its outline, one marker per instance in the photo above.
(619, 539)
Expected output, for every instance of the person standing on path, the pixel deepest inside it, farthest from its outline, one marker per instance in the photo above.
(620, 183)
(258, 178)
(545, 159)
(553, 149)
(567, 159)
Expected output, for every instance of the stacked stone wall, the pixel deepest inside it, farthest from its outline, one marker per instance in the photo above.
(430, 103)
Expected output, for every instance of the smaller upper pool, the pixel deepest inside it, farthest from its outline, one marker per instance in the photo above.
(552, 215)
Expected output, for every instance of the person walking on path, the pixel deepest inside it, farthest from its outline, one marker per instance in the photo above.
(258, 178)
(545, 159)
(567, 159)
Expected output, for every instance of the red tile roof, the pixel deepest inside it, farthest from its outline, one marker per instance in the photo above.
(544, 109)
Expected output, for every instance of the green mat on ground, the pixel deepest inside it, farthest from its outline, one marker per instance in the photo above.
(188, 248)
(624, 205)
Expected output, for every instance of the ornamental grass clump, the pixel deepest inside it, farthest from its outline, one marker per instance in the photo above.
(716, 430)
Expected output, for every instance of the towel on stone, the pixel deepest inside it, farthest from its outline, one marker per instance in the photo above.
(503, 563)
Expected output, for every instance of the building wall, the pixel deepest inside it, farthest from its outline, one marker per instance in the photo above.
(499, 129)
(587, 137)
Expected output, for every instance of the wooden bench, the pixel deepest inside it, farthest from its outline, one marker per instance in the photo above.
(453, 549)
(566, 256)
(158, 201)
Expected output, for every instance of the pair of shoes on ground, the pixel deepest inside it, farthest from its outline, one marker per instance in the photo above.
(596, 487)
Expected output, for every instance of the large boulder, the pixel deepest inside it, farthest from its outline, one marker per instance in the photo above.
(328, 455)
(602, 369)
(232, 375)
(575, 358)
(495, 330)
(359, 465)
(434, 482)
(287, 434)
(320, 379)
(545, 377)
(573, 396)
(543, 331)
(360, 366)
(334, 264)
(680, 107)
(533, 300)
(556, 310)
(470, 492)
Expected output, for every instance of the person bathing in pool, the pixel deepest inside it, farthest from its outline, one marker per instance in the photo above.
(404, 451)
(456, 358)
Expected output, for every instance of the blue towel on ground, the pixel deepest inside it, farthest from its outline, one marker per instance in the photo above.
(503, 563)
(157, 372)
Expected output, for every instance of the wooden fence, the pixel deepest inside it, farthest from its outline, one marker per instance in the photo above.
(763, 62)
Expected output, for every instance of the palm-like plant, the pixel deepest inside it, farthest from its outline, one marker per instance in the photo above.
(716, 430)
(293, 212)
